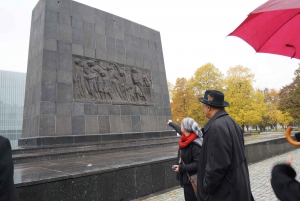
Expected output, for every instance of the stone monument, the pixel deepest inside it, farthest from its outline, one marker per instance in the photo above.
(92, 74)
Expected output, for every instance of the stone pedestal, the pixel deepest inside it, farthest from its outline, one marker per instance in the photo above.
(92, 73)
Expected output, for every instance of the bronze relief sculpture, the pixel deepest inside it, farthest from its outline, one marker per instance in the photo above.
(103, 82)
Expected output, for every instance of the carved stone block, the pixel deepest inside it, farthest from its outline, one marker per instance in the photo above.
(98, 80)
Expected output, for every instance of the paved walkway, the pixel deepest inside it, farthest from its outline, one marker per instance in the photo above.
(259, 176)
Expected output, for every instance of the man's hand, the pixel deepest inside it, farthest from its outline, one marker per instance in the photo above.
(289, 160)
(169, 121)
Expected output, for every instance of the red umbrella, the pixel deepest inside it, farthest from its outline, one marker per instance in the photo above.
(274, 28)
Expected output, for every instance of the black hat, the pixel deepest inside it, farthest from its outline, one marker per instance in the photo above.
(213, 98)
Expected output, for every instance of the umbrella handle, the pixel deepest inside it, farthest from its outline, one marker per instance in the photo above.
(289, 138)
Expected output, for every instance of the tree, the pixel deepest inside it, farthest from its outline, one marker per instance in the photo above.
(239, 93)
(284, 119)
(205, 77)
(289, 97)
(272, 100)
(179, 100)
(257, 115)
(170, 88)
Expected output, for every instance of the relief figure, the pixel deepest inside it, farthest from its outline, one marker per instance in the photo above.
(78, 79)
(115, 80)
(147, 83)
(90, 79)
(123, 84)
(105, 86)
(138, 84)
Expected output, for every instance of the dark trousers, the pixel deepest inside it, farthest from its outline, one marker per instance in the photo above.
(189, 194)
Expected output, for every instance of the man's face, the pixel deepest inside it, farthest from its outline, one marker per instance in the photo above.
(205, 109)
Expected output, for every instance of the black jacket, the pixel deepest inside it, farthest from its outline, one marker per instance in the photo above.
(190, 156)
(284, 184)
(7, 188)
(283, 181)
(223, 172)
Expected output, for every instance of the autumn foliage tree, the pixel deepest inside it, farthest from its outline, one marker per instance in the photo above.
(289, 97)
(272, 100)
(179, 100)
(258, 112)
(205, 77)
(248, 106)
(239, 94)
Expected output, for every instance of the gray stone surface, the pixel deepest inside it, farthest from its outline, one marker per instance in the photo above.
(64, 77)
(84, 188)
(91, 124)
(50, 44)
(107, 188)
(78, 108)
(47, 107)
(115, 124)
(136, 123)
(48, 92)
(64, 108)
(64, 47)
(78, 124)
(126, 123)
(50, 59)
(63, 125)
(64, 92)
(77, 49)
(50, 30)
(47, 124)
(64, 33)
(104, 124)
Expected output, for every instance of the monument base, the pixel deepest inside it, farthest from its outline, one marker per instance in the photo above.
(111, 176)
(97, 138)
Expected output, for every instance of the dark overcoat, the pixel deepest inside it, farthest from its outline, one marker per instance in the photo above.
(7, 188)
(223, 172)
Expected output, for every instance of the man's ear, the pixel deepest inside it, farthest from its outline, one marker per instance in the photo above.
(208, 107)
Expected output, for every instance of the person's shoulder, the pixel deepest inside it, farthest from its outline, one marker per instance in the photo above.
(195, 145)
(4, 144)
(3, 139)
(221, 122)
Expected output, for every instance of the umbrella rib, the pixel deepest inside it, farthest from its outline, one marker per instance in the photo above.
(292, 46)
(276, 31)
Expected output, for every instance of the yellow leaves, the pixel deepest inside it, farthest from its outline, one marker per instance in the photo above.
(185, 93)
(239, 93)
(284, 118)
(247, 106)
(179, 100)
(206, 77)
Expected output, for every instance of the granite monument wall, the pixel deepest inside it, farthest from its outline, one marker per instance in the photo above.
(91, 72)
(116, 184)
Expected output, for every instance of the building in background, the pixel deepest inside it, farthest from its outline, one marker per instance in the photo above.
(12, 91)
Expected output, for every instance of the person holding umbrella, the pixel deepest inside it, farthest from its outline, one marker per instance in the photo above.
(8, 190)
(223, 171)
(283, 182)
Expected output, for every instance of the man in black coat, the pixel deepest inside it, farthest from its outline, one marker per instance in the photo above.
(8, 191)
(223, 171)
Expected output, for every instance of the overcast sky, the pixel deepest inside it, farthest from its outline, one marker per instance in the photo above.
(193, 33)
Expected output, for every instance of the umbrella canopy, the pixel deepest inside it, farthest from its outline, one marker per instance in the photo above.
(273, 27)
